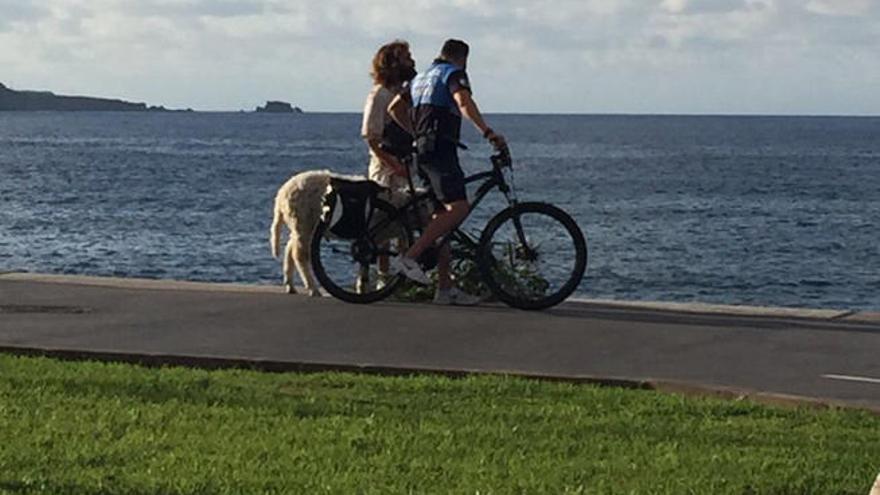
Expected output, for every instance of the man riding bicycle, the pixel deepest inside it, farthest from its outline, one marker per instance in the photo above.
(438, 99)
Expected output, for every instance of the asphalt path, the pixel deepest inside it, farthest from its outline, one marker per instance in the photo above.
(769, 354)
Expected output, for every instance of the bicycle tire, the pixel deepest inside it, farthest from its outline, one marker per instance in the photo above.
(320, 262)
(501, 275)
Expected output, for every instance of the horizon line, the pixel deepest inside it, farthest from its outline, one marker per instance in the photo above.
(525, 114)
(599, 114)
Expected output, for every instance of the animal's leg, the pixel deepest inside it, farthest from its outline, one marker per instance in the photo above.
(288, 267)
(303, 259)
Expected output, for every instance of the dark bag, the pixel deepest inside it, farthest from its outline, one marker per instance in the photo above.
(348, 207)
(396, 140)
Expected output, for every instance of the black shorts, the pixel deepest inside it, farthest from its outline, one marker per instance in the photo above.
(440, 169)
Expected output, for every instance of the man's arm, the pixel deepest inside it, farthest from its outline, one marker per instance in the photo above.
(398, 109)
(468, 108)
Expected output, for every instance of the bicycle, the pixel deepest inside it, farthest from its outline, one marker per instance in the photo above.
(531, 255)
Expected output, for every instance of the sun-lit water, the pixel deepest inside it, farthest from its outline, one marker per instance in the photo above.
(752, 210)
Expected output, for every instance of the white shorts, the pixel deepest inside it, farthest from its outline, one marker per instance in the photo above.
(378, 172)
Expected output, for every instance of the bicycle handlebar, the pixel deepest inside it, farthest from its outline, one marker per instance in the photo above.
(502, 158)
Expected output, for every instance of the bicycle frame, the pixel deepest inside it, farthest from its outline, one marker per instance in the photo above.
(492, 179)
(507, 262)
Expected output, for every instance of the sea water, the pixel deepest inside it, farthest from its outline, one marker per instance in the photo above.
(780, 211)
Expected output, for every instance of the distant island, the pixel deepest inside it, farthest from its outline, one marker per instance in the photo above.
(12, 100)
(25, 101)
(278, 107)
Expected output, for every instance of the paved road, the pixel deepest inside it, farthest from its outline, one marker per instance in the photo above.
(762, 352)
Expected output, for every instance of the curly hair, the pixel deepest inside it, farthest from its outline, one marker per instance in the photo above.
(388, 63)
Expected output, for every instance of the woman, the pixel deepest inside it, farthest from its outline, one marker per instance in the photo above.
(390, 146)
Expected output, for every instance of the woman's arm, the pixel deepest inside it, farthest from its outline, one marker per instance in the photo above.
(398, 109)
(386, 158)
(371, 131)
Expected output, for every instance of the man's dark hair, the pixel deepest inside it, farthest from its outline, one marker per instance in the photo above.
(454, 50)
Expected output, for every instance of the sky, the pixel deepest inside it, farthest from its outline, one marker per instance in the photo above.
(807, 57)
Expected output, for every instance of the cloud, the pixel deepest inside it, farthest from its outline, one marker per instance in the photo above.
(200, 8)
(14, 12)
(705, 6)
(562, 55)
(839, 7)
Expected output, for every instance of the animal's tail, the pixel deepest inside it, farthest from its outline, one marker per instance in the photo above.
(275, 231)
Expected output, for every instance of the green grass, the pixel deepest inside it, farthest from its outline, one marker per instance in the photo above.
(90, 428)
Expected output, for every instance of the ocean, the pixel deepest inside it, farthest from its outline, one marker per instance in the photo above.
(769, 211)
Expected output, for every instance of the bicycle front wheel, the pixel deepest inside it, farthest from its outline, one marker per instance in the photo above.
(349, 269)
(532, 255)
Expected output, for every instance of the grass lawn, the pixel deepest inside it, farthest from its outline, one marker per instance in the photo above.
(90, 428)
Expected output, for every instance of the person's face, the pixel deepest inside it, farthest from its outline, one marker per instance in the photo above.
(406, 60)
(408, 66)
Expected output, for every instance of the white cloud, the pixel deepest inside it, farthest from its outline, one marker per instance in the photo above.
(708, 6)
(839, 7)
(527, 55)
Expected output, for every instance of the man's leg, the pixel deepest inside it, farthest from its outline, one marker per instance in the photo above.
(446, 292)
(447, 180)
(443, 223)
(444, 258)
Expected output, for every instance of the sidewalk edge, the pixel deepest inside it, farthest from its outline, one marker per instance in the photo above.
(687, 389)
(841, 315)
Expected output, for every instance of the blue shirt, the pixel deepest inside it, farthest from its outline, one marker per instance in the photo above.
(434, 109)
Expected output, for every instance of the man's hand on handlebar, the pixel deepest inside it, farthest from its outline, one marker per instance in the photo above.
(497, 140)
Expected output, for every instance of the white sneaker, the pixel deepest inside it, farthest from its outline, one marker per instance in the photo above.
(409, 268)
(455, 297)
(382, 280)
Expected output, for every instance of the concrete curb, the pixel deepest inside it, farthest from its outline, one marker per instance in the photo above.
(864, 317)
(720, 309)
(664, 307)
(686, 389)
(138, 283)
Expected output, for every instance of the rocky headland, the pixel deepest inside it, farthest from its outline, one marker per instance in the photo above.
(23, 101)
(13, 100)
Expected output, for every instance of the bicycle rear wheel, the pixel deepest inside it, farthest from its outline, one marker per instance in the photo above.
(532, 255)
(349, 268)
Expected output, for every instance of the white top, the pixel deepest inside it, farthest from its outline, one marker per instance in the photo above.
(376, 112)
(375, 117)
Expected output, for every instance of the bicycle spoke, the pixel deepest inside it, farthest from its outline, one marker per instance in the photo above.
(535, 255)
(349, 268)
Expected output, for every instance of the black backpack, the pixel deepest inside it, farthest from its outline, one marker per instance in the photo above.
(348, 207)
(396, 141)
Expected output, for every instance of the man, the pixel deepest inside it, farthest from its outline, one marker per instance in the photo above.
(440, 97)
